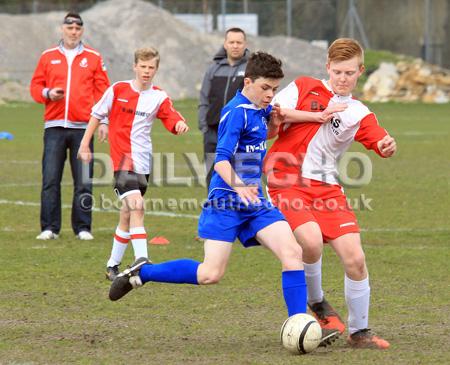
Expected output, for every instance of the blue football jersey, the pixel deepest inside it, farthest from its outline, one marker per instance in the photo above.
(241, 141)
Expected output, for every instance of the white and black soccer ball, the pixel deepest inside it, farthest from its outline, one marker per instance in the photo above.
(300, 333)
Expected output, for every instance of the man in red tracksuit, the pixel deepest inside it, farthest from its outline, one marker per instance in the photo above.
(68, 79)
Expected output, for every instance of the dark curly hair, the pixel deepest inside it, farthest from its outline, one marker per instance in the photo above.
(262, 64)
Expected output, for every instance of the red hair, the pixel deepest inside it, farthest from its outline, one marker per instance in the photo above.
(344, 49)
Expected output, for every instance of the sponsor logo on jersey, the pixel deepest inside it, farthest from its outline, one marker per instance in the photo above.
(315, 106)
(84, 62)
(142, 114)
(314, 93)
(55, 62)
(136, 112)
(122, 100)
(335, 123)
(255, 148)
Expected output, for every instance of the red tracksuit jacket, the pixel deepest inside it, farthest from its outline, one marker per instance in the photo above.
(84, 84)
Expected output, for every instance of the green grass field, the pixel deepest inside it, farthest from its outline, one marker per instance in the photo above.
(53, 295)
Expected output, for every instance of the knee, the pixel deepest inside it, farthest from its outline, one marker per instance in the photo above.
(291, 256)
(125, 215)
(356, 265)
(136, 205)
(210, 276)
(293, 251)
(312, 246)
(124, 218)
(140, 204)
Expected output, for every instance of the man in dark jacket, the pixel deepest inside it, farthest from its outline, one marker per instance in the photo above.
(221, 81)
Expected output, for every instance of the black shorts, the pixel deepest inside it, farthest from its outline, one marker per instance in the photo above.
(127, 182)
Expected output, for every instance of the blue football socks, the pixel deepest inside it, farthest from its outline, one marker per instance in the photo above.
(294, 291)
(182, 271)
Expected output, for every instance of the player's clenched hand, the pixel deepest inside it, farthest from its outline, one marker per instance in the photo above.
(277, 116)
(181, 127)
(103, 133)
(84, 154)
(327, 114)
(387, 146)
(248, 194)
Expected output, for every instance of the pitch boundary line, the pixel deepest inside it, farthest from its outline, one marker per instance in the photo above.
(96, 229)
(192, 216)
(173, 180)
(97, 210)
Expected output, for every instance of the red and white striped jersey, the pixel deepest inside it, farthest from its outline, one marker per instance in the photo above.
(316, 147)
(131, 113)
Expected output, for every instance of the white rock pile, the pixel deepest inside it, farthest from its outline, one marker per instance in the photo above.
(408, 82)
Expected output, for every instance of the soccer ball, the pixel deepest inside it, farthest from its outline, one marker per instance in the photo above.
(300, 333)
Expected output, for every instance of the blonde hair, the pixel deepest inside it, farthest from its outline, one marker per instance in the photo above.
(344, 49)
(145, 54)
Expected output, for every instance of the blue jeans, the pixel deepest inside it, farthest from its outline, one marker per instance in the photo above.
(56, 142)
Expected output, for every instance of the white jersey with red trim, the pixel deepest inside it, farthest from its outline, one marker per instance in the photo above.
(332, 139)
(131, 113)
(318, 147)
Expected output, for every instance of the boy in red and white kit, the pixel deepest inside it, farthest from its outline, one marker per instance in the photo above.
(302, 175)
(131, 106)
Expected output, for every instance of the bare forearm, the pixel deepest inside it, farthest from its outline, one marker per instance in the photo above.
(247, 193)
(90, 130)
(300, 116)
(227, 173)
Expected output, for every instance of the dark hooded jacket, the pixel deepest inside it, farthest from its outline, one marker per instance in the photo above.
(219, 85)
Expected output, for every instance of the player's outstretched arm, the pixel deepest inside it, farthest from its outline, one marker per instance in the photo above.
(301, 116)
(248, 193)
(84, 152)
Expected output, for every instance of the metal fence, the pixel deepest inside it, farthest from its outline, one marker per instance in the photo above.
(415, 27)
(274, 17)
(39, 6)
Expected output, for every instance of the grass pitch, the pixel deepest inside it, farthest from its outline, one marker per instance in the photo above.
(53, 295)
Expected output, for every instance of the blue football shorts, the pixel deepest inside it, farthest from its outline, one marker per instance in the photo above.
(227, 224)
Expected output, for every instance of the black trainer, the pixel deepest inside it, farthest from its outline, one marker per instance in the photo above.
(327, 316)
(127, 280)
(112, 272)
(365, 339)
(328, 337)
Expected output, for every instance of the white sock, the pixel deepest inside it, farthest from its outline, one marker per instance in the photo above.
(313, 275)
(139, 241)
(357, 297)
(120, 244)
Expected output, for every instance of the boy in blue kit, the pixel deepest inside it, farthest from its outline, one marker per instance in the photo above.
(236, 207)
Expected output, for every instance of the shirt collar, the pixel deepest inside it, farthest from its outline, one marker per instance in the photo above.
(243, 100)
(327, 85)
(79, 48)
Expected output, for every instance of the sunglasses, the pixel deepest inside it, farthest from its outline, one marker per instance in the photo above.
(76, 21)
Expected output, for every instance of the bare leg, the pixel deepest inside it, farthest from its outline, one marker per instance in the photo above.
(217, 255)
